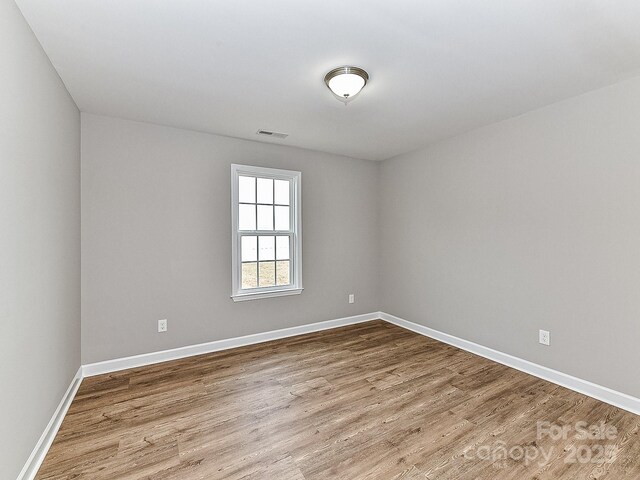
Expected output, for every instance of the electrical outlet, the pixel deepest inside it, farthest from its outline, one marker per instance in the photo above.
(162, 325)
(352, 298)
(544, 337)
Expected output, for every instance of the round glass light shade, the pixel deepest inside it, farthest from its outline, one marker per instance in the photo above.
(346, 85)
(346, 82)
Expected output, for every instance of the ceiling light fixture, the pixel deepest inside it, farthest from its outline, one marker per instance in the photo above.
(346, 82)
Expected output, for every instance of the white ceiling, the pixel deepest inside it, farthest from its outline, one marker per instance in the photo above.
(438, 67)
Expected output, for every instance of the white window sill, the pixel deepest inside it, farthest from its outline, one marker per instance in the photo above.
(256, 296)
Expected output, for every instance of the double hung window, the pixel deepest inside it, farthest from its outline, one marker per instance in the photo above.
(266, 243)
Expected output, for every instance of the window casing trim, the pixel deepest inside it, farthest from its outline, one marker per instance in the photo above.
(295, 233)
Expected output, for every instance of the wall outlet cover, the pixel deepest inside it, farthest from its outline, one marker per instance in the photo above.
(544, 337)
(162, 325)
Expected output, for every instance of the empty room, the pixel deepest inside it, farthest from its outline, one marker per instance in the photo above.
(311, 240)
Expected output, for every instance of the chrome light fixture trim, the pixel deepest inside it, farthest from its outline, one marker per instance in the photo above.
(346, 70)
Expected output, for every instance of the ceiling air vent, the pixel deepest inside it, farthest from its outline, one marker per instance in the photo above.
(267, 133)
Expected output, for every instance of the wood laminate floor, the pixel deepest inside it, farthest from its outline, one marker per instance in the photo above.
(369, 401)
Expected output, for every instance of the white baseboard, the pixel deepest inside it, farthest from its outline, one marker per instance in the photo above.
(599, 392)
(607, 395)
(604, 394)
(34, 461)
(117, 364)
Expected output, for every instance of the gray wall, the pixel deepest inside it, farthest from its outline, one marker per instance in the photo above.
(156, 238)
(526, 224)
(39, 240)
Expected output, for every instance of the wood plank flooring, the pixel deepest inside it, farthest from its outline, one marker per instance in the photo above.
(369, 401)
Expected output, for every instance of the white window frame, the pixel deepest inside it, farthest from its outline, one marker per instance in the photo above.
(239, 294)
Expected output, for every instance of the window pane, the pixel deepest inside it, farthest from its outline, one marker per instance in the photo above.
(249, 249)
(267, 274)
(249, 275)
(265, 190)
(282, 248)
(267, 248)
(265, 217)
(246, 217)
(282, 192)
(246, 189)
(282, 218)
(282, 272)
